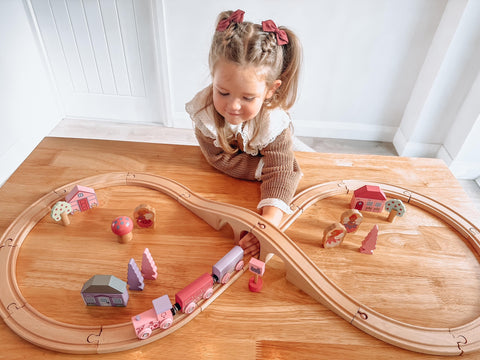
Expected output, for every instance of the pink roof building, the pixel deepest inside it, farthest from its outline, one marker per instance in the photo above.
(368, 198)
(81, 198)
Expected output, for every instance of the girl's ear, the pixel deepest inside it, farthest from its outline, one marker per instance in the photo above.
(276, 84)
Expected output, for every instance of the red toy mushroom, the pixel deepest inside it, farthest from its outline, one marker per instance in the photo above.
(123, 226)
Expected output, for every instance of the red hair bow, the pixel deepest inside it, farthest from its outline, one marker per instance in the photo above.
(269, 26)
(236, 17)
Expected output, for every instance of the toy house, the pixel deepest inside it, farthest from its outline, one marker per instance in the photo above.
(105, 290)
(81, 198)
(368, 198)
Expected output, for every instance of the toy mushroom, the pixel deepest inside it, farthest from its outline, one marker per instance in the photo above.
(60, 211)
(396, 208)
(123, 226)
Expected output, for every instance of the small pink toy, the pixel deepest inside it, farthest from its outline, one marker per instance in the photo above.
(160, 317)
(149, 269)
(368, 244)
(368, 198)
(81, 198)
(333, 235)
(123, 226)
(257, 267)
(351, 219)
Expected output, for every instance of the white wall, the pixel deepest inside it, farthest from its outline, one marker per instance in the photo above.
(28, 107)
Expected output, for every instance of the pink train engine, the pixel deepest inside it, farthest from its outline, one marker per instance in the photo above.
(160, 317)
(223, 269)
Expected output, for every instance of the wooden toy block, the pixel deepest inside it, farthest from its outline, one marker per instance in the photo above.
(351, 219)
(149, 269)
(134, 276)
(396, 208)
(368, 198)
(333, 235)
(105, 290)
(370, 241)
(257, 267)
(60, 211)
(144, 216)
(81, 198)
(123, 226)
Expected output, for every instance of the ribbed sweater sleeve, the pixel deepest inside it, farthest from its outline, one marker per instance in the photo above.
(281, 173)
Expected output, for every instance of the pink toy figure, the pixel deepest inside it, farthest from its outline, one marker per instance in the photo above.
(333, 235)
(160, 317)
(396, 208)
(149, 269)
(257, 267)
(134, 276)
(123, 226)
(368, 244)
(60, 211)
(351, 219)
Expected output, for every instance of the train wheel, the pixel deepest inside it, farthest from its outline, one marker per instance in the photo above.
(145, 333)
(208, 293)
(226, 278)
(190, 307)
(239, 265)
(166, 324)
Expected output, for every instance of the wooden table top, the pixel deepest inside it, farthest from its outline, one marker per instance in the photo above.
(422, 272)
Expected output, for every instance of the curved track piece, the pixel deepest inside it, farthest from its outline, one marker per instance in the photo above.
(301, 271)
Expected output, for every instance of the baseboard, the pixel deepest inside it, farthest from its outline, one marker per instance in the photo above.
(414, 149)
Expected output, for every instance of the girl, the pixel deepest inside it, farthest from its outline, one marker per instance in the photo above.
(241, 121)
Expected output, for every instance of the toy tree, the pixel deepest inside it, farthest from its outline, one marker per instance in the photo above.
(368, 244)
(134, 276)
(60, 211)
(396, 208)
(149, 269)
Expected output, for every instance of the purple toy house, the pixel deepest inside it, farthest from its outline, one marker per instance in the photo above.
(105, 290)
(81, 198)
(368, 198)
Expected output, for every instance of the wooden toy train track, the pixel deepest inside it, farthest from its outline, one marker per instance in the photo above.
(45, 332)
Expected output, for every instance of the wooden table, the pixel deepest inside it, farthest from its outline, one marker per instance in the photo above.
(421, 272)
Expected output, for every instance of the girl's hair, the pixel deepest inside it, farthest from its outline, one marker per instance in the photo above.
(246, 44)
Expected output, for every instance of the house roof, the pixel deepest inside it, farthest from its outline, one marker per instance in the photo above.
(106, 284)
(76, 190)
(370, 192)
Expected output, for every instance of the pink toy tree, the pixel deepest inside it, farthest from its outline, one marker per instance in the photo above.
(368, 244)
(134, 276)
(149, 269)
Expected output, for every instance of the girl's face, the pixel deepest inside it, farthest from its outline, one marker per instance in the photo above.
(239, 91)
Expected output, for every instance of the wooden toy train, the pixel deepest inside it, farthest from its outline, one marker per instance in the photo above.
(162, 313)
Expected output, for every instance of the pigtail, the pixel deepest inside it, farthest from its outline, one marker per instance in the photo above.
(292, 59)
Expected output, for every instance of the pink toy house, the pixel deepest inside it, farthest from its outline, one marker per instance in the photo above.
(81, 198)
(105, 290)
(368, 198)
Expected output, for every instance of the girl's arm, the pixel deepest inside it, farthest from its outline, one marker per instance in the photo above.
(239, 165)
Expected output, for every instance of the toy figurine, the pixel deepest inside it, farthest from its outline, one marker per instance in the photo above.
(351, 219)
(333, 235)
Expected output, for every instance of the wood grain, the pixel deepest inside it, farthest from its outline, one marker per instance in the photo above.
(421, 272)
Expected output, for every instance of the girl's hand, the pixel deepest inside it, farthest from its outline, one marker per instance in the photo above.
(250, 244)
